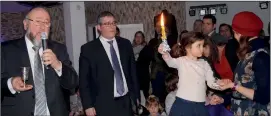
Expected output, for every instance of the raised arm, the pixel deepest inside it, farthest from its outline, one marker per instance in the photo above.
(171, 62)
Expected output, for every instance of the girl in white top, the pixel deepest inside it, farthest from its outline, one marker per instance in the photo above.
(193, 74)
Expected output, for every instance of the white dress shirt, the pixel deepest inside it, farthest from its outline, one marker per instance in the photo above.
(31, 54)
(210, 34)
(106, 46)
(193, 75)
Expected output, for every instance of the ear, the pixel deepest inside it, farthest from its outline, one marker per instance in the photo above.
(98, 27)
(187, 48)
(26, 24)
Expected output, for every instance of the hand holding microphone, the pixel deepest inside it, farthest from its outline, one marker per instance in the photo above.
(43, 38)
(49, 57)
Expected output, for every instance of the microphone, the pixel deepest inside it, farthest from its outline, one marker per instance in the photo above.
(44, 43)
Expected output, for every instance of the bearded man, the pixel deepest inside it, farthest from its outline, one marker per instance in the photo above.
(51, 77)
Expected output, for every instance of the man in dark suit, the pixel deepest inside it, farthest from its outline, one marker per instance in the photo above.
(48, 89)
(107, 72)
(209, 25)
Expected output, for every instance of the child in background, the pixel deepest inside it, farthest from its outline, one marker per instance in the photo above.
(215, 100)
(171, 84)
(154, 107)
(193, 74)
(210, 54)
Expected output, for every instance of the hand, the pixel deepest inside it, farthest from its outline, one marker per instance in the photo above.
(216, 100)
(90, 112)
(71, 113)
(225, 84)
(160, 49)
(49, 58)
(18, 84)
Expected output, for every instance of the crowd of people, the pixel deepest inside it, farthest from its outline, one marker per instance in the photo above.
(233, 54)
(204, 74)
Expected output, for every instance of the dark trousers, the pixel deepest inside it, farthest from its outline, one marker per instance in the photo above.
(120, 106)
(183, 107)
(159, 87)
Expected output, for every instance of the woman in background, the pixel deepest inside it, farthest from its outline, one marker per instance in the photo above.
(138, 43)
(221, 64)
(226, 31)
(232, 45)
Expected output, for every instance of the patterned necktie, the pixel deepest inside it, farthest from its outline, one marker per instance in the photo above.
(117, 70)
(39, 84)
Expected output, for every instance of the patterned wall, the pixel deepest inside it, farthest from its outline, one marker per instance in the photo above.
(12, 24)
(137, 12)
(57, 26)
(125, 12)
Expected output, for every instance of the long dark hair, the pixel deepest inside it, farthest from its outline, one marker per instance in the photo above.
(174, 53)
(143, 38)
(243, 47)
(187, 40)
(213, 56)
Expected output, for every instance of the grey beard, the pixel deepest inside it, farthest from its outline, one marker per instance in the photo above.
(33, 39)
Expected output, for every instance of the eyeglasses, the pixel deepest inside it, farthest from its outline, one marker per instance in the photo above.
(39, 23)
(109, 24)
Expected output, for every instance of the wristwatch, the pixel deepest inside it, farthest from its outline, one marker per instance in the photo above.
(234, 87)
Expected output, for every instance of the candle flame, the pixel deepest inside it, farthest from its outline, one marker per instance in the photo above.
(162, 20)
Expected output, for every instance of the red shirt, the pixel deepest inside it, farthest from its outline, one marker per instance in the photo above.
(223, 67)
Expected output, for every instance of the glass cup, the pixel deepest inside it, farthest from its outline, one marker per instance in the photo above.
(25, 73)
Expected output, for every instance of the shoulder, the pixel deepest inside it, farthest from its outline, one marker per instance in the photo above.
(232, 42)
(123, 40)
(57, 44)
(203, 60)
(261, 59)
(90, 44)
(11, 43)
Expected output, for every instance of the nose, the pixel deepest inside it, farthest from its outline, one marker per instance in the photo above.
(42, 28)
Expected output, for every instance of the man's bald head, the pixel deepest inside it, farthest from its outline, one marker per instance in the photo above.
(37, 21)
(36, 11)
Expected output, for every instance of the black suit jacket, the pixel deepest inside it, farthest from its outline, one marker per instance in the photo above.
(96, 75)
(58, 89)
